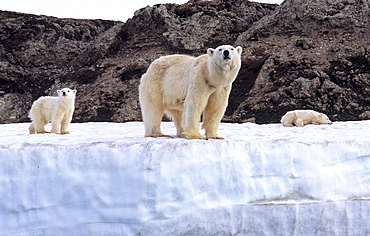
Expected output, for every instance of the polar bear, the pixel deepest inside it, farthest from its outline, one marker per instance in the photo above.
(184, 86)
(58, 110)
(303, 117)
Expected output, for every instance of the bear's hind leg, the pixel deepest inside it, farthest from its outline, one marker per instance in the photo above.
(39, 126)
(32, 129)
(288, 120)
(152, 122)
(152, 108)
(177, 119)
(299, 122)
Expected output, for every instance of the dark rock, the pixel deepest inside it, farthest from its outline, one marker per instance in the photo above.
(104, 60)
(299, 55)
(318, 60)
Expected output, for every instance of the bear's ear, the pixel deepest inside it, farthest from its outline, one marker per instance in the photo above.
(59, 91)
(75, 91)
(239, 50)
(210, 51)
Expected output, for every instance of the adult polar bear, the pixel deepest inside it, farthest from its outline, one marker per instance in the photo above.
(58, 110)
(301, 118)
(183, 87)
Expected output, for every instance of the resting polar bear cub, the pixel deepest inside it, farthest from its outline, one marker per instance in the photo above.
(303, 117)
(58, 110)
(183, 87)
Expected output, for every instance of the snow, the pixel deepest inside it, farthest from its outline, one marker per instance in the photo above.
(107, 179)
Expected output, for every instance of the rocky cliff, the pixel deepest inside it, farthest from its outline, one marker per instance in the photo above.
(318, 58)
(301, 54)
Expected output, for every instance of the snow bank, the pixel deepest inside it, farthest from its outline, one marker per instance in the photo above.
(106, 179)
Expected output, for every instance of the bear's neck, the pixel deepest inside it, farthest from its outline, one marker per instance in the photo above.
(66, 101)
(221, 76)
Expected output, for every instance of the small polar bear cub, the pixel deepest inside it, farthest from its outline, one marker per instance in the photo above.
(184, 87)
(58, 110)
(303, 117)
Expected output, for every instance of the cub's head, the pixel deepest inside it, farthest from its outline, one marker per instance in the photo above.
(226, 54)
(66, 93)
(324, 119)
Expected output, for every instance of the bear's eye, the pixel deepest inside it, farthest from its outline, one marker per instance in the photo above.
(220, 49)
(232, 49)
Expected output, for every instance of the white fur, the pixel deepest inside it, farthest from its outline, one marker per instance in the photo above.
(58, 110)
(303, 117)
(183, 87)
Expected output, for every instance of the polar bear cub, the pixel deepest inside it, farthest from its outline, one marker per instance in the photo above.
(184, 86)
(58, 110)
(303, 117)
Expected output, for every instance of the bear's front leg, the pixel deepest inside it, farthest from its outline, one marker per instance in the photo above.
(65, 124)
(55, 125)
(64, 128)
(194, 105)
(191, 129)
(214, 112)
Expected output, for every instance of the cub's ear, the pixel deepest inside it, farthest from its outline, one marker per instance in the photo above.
(75, 91)
(59, 91)
(239, 50)
(320, 115)
(210, 51)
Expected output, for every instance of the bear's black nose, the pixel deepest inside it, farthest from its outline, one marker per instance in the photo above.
(226, 55)
(64, 93)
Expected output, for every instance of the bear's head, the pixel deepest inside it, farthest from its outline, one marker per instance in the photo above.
(324, 119)
(67, 93)
(226, 54)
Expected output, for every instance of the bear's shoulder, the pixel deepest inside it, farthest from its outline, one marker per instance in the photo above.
(174, 59)
(44, 98)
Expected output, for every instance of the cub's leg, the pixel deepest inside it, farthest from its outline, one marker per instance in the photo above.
(39, 126)
(64, 127)
(56, 125)
(32, 129)
(38, 119)
(65, 123)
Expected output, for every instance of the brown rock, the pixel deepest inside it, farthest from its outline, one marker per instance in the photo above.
(299, 55)
(318, 59)
(104, 60)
